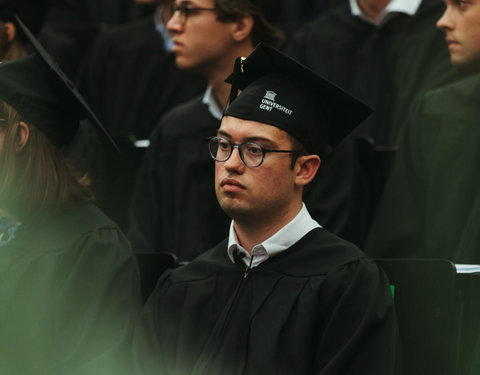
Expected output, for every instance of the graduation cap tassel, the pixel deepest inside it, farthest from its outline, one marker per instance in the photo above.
(237, 71)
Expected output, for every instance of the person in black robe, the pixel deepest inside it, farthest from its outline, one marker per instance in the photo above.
(282, 295)
(69, 284)
(130, 79)
(386, 60)
(430, 207)
(174, 188)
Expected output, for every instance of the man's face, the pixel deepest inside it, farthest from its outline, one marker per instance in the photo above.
(461, 23)
(257, 193)
(200, 40)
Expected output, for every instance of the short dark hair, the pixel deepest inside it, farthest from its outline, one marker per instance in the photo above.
(299, 149)
(263, 30)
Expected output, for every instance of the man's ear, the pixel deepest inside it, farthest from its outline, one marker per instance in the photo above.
(306, 168)
(21, 138)
(11, 31)
(243, 27)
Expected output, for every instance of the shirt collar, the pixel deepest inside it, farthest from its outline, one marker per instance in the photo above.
(162, 30)
(408, 7)
(212, 105)
(279, 242)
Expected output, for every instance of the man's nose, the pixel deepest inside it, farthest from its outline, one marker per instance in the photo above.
(235, 162)
(174, 24)
(445, 21)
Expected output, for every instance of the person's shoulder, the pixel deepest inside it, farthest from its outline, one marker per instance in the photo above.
(185, 120)
(71, 226)
(319, 252)
(135, 36)
(206, 265)
(86, 217)
(456, 101)
(468, 87)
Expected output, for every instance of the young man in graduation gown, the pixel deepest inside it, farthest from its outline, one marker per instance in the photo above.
(386, 52)
(174, 188)
(280, 295)
(431, 204)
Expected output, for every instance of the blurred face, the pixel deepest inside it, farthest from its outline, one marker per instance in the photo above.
(461, 23)
(261, 193)
(200, 40)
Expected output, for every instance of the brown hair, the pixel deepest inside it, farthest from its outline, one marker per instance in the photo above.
(263, 30)
(10, 50)
(36, 179)
(299, 149)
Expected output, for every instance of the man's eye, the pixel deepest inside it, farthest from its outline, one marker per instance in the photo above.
(254, 150)
(188, 11)
(223, 145)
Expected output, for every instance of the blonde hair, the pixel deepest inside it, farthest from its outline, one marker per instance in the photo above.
(36, 179)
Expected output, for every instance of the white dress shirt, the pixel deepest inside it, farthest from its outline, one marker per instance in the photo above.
(408, 7)
(280, 241)
(212, 105)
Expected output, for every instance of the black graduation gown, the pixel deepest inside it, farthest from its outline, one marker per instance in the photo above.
(174, 207)
(385, 67)
(321, 307)
(69, 296)
(431, 204)
(130, 81)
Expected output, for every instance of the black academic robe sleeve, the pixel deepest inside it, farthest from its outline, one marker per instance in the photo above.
(323, 309)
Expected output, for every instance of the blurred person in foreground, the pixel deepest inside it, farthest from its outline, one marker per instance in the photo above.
(280, 295)
(69, 285)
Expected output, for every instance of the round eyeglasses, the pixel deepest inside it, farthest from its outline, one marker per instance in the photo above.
(251, 153)
(185, 11)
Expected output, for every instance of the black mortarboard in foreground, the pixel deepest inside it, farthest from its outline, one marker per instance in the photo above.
(37, 89)
(279, 91)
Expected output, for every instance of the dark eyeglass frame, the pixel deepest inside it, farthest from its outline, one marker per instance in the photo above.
(238, 146)
(186, 11)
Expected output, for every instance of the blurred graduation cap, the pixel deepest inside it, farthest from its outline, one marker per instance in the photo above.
(37, 88)
(279, 91)
(32, 12)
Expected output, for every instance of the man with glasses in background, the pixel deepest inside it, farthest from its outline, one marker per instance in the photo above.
(174, 207)
(280, 295)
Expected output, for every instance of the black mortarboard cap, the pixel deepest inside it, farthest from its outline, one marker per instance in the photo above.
(37, 88)
(279, 91)
(31, 12)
